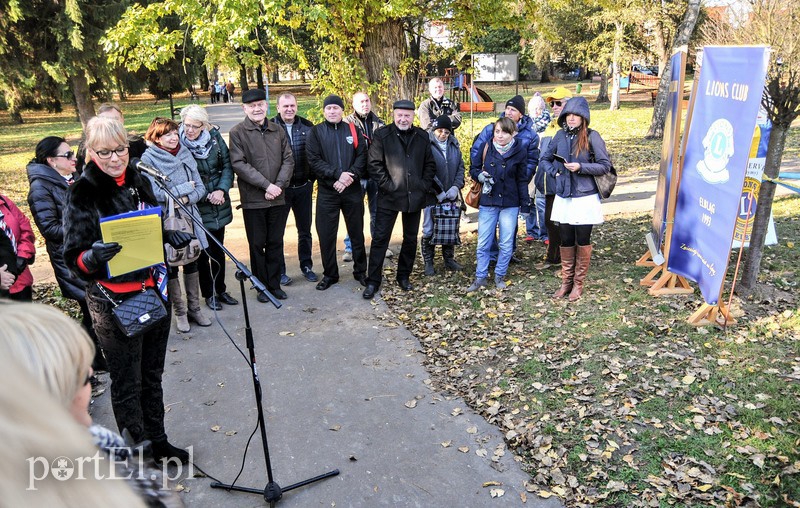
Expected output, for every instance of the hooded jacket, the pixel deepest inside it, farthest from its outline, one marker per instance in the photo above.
(301, 129)
(581, 182)
(524, 131)
(46, 199)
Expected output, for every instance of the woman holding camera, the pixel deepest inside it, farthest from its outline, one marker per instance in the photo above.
(108, 187)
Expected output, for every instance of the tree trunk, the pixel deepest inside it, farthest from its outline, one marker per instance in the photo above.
(682, 36)
(243, 79)
(385, 51)
(772, 166)
(660, 43)
(83, 97)
(260, 77)
(545, 75)
(615, 67)
(602, 93)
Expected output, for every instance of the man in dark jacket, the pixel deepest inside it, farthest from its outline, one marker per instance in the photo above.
(437, 105)
(262, 160)
(301, 187)
(337, 154)
(401, 163)
(367, 123)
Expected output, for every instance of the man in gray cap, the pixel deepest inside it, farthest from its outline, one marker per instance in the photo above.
(401, 163)
(261, 157)
(337, 154)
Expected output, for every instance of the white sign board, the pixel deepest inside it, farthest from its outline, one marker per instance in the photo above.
(503, 67)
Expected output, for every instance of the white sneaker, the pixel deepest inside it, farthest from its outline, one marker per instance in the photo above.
(347, 256)
(389, 253)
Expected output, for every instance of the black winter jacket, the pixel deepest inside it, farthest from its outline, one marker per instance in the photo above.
(301, 129)
(451, 172)
(403, 166)
(97, 195)
(331, 152)
(366, 126)
(46, 199)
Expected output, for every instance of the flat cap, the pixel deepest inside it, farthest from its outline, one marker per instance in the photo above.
(256, 94)
(404, 104)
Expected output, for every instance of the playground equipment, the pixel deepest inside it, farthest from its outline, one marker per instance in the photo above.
(469, 96)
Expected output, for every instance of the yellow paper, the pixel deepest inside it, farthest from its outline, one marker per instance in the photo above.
(142, 244)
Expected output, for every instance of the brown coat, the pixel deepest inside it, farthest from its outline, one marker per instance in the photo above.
(260, 158)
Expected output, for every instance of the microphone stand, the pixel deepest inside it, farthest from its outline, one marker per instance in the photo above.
(272, 492)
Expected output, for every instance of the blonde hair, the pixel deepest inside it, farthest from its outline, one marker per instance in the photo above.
(105, 131)
(197, 113)
(50, 346)
(37, 435)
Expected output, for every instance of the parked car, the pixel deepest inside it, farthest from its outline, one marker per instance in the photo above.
(644, 69)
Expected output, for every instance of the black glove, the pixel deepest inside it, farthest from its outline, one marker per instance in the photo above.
(99, 254)
(177, 239)
(21, 264)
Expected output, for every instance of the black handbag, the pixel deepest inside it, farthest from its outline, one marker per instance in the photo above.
(138, 313)
(605, 182)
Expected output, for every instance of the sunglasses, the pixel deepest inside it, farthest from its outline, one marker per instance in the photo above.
(556, 103)
(66, 155)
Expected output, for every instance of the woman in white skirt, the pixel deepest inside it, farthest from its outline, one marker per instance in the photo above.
(574, 156)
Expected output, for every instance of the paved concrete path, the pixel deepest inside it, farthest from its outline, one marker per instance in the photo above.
(338, 375)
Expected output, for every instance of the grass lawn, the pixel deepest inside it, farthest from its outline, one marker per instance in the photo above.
(614, 400)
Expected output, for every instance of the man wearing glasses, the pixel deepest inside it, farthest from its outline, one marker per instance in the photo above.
(261, 157)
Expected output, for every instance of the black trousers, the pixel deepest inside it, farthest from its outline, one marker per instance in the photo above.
(384, 223)
(211, 266)
(553, 231)
(136, 366)
(351, 204)
(298, 201)
(264, 228)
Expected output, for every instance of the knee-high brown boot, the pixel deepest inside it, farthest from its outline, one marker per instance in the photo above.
(582, 260)
(567, 271)
(178, 305)
(195, 313)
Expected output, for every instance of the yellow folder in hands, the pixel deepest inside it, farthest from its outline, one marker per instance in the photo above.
(140, 237)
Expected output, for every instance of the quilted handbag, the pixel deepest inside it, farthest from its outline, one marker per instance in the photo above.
(138, 313)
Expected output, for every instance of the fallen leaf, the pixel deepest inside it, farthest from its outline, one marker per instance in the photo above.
(492, 483)
(230, 433)
(463, 449)
(496, 492)
(215, 428)
(688, 379)
(336, 428)
(411, 404)
(447, 444)
(286, 334)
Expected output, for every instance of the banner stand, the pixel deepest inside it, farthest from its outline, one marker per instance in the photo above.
(669, 283)
(712, 315)
(646, 260)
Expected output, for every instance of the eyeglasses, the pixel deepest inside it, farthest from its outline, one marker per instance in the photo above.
(89, 376)
(66, 155)
(106, 154)
(188, 127)
(556, 103)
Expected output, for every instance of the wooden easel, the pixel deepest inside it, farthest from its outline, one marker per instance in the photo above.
(646, 260)
(709, 314)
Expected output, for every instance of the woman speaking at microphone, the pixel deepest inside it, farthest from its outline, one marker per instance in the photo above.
(108, 187)
(166, 153)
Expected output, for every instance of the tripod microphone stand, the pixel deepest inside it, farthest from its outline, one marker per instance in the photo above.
(272, 492)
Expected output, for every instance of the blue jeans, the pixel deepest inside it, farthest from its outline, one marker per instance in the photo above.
(534, 222)
(488, 219)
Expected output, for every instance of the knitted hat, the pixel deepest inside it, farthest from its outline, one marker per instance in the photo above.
(517, 102)
(442, 122)
(256, 94)
(404, 104)
(333, 99)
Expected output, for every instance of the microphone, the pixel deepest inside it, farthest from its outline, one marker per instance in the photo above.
(150, 170)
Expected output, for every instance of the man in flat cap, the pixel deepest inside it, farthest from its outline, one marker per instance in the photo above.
(337, 154)
(261, 157)
(401, 163)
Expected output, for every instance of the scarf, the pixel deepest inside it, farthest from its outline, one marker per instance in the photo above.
(443, 147)
(199, 147)
(503, 150)
(571, 130)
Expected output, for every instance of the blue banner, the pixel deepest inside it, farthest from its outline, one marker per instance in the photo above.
(717, 144)
(672, 132)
